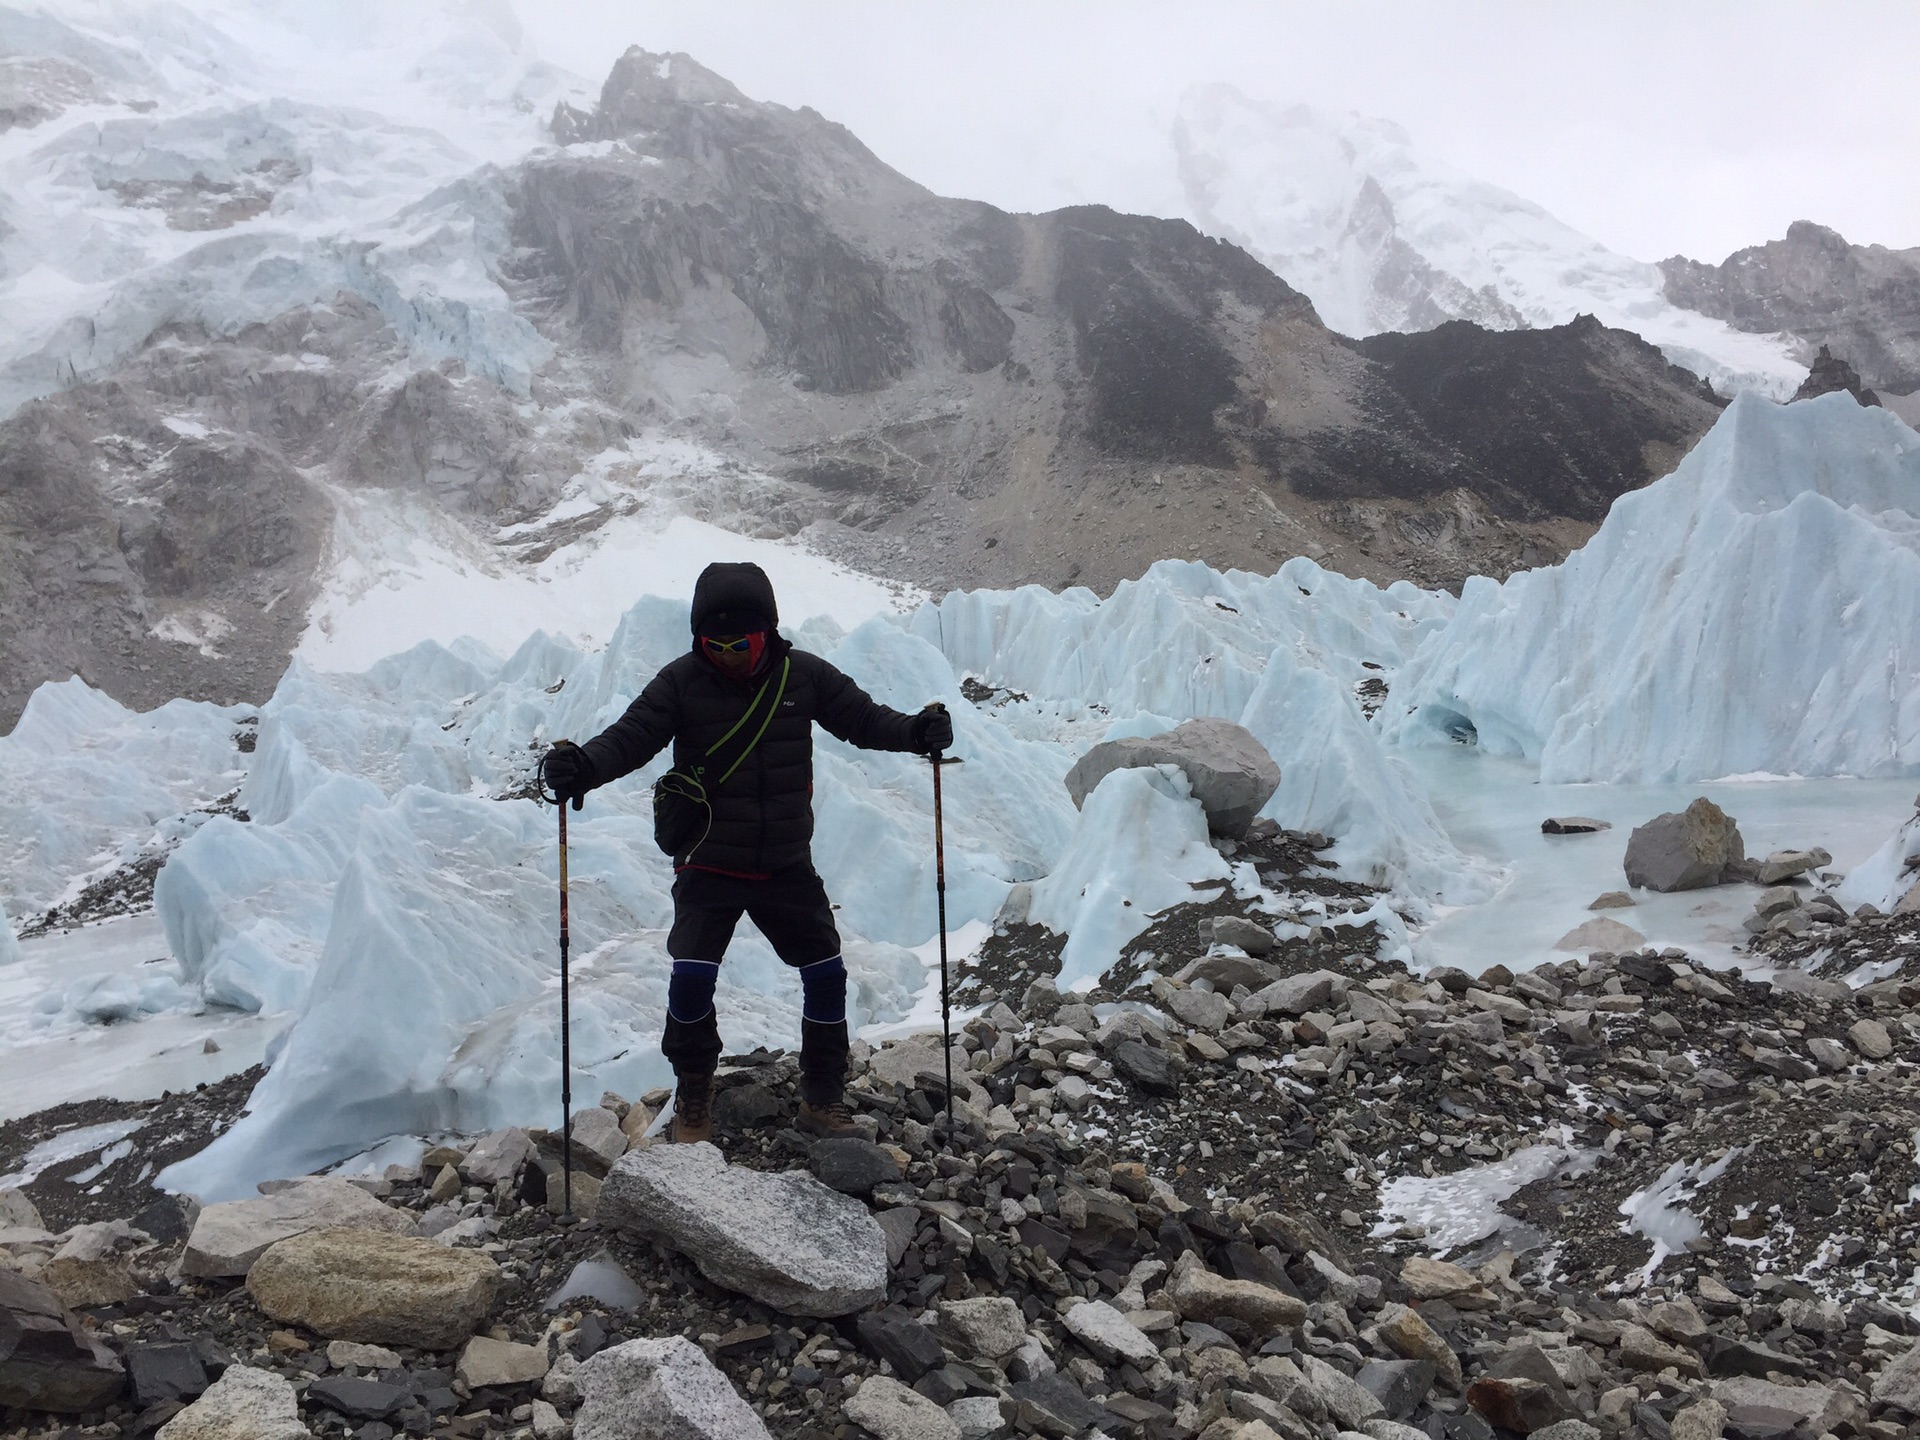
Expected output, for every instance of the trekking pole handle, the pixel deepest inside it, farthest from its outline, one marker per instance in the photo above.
(553, 797)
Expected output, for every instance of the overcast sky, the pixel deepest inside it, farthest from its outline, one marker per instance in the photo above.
(1689, 126)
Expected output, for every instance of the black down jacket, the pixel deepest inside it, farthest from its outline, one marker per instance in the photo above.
(763, 815)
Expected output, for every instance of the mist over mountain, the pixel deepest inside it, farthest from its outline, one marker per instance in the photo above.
(1385, 237)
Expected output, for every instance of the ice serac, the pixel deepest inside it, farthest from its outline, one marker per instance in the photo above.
(1890, 875)
(390, 898)
(784, 1239)
(9, 944)
(1140, 847)
(1751, 612)
(1286, 655)
(131, 785)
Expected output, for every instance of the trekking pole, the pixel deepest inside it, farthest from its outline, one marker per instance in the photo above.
(566, 1013)
(566, 1035)
(940, 891)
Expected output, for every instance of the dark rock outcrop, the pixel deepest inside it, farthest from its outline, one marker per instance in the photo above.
(1829, 373)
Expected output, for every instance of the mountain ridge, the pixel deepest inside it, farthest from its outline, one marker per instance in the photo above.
(929, 389)
(1861, 301)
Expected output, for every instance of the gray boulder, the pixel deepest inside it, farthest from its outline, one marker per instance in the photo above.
(1231, 772)
(784, 1239)
(1573, 825)
(1783, 865)
(890, 1410)
(1223, 972)
(497, 1157)
(17, 1210)
(1200, 1009)
(1298, 994)
(228, 1238)
(1899, 1383)
(646, 1389)
(990, 1326)
(1250, 935)
(1685, 850)
(1110, 1335)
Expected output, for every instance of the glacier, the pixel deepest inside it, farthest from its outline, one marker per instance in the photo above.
(209, 178)
(1752, 612)
(388, 904)
(389, 880)
(1379, 236)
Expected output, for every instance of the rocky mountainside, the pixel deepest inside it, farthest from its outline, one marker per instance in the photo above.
(931, 388)
(972, 386)
(1861, 301)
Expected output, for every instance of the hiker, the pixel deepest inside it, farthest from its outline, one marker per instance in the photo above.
(736, 815)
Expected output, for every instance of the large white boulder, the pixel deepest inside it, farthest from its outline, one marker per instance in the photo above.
(646, 1389)
(243, 1404)
(784, 1239)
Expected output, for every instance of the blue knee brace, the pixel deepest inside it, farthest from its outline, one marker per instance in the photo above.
(825, 985)
(690, 990)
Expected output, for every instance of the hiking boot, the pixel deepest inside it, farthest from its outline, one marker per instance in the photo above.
(693, 1110)
(832, 1120)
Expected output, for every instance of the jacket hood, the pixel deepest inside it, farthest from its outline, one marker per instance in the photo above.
(733, 597)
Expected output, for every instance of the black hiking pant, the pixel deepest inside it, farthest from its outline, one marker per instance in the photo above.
(790, 908)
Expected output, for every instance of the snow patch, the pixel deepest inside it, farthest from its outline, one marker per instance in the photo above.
(67, 1146)
(1459, 1208)
(1659, 1211)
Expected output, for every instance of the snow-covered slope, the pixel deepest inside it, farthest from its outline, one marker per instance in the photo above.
(1382, 237)
(218, 167)
(1751, 612)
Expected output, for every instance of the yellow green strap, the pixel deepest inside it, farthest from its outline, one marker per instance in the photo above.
(786, 665)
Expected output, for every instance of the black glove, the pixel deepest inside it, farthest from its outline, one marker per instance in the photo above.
(932, 729)
(567, 773)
